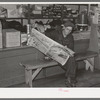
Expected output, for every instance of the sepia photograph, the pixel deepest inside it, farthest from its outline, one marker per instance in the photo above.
(50, 45)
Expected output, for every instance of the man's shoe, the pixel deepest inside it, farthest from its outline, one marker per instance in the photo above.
(70, 82)
(67, 83)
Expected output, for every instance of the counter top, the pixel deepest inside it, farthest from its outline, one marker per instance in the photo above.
(81, 35)
(15, 48)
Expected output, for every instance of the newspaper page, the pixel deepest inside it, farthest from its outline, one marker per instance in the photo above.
(49, 47)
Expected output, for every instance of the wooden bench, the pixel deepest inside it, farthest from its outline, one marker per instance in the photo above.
(88, 57)
(38, 65)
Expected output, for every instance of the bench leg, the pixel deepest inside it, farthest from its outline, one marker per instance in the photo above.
(36, 73)
(89, 63)
(30, 77)
(26, 76)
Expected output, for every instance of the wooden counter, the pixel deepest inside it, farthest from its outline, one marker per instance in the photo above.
(12, 73)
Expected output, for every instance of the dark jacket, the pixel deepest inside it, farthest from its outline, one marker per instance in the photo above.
(57, 36)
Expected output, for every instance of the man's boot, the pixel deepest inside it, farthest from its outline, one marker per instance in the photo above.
(70, 82)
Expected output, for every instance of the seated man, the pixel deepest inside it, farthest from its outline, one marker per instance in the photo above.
(64, 36)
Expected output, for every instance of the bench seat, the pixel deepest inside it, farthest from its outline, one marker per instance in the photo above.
(84, 55)
(31, 64)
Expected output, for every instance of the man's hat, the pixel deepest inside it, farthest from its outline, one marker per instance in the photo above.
(68, 23)
(52, 23)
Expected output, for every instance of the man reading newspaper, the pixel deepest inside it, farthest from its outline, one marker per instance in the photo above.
(59, 48)
(64, 36)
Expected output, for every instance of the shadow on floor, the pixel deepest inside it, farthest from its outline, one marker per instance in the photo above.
(84, 78)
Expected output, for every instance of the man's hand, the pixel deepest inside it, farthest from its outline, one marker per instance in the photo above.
(70, 54)
(65, 46)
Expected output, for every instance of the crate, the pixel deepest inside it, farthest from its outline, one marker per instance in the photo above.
(11, 38)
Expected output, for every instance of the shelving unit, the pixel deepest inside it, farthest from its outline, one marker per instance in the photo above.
(57, 11)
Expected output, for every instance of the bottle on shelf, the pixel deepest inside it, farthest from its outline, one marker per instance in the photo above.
(28, 30)
(29, 27)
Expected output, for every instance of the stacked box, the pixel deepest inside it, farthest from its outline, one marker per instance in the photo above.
(11, 38)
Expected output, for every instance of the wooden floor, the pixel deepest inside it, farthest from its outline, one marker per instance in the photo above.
(84, 78)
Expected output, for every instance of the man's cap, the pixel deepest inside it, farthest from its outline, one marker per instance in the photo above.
(52, 23)
(55, 22)
(68, 23)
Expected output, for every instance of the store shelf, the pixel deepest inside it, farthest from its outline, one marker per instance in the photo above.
(40, 16)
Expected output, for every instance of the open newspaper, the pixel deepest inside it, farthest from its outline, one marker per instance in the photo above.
(49, 47)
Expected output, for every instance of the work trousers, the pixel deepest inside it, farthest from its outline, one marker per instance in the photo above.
(70, 68)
